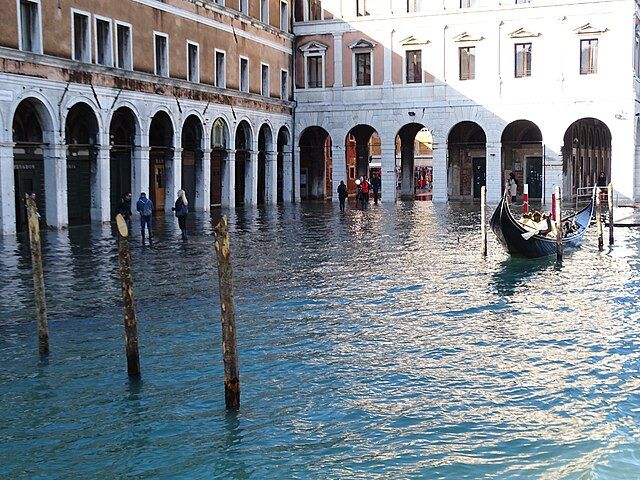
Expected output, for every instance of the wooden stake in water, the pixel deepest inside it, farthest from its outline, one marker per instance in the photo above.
(610, 205)
(229, 340)
(38, 274)
(130, 325)
(599, 220)
(483, 220)
(558, 210)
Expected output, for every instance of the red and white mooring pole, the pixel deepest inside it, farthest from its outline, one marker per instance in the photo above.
(525, 199)
(553, 206)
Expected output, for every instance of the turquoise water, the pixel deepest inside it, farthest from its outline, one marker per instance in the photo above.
(373, 345)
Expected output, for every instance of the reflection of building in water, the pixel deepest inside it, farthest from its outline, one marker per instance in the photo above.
(500, 87)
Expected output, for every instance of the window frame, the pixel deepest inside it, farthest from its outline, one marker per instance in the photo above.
(406, 65)
(119, 23)
(262, 92)
(526, 73)
(248, 89)
(245, 4)
(472, 75)
(361, 4)
(284, 88)
(321, 56)
(96, 19)
(197, 72)
(37, 41)
(155, 54)
(307, 12)
(412, 8)
(263, 4)
(284, 22)
(354, 69)
(215, 68)
(590, 70)
(88, 50)
(467, 4)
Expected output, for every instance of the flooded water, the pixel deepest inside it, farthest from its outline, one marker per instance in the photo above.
(373, 345)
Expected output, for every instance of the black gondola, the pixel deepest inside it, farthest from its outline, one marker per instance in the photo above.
(510, 231)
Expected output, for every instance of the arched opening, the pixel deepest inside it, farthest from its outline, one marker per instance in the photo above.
(585, 154)
(414, 162)
(315, 164)
(243, 152)
(283, 149)
(219, 146)
(28, 158)
(81, 131)
(467, 169)
(192, 155)
(265, 173)
(122, 137)
(522, 155)
(161, 150)
(363, 154)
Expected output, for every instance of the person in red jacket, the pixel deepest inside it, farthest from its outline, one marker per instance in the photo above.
(364, 186)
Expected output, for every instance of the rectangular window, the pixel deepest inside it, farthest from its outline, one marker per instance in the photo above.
(221, 69)
(523, 60)
(193, 62)
(124, 51)
(264, 11)
(314, 71)
(161, 54)
(520, 2)
(284, 16)
(81, 36)
(414, 66)
(467, 3)
(467, 63)
(244, 74)
(415, 5)
(264, 86)
(284, 85)
(220, 2)
(30, 34)
(244, 6)
(103, 42)
(363, 68)
(314, 10)
(588, 57)
(362, 8)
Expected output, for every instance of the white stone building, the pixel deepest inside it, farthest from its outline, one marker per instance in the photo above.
(545, 89)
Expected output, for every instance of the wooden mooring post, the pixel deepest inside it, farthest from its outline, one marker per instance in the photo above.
(610, 205)
(599, 220)
(227, 306)
(130, 325)
(38, 274)
(483, 220)
(558, 210)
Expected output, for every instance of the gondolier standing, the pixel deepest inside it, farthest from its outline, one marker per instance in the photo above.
(513, 187)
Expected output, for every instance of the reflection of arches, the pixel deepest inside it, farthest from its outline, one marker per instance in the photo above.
(243, 142)
(414, 159)
(161, 150)
(522, 155)
(81, 132)
(467, 160)
(283, 147)
(265, 173)
(219, 146)
(192, 133)
(315, 164)
(362, 144)
(586, 152)
(30, 120)
(122, 138)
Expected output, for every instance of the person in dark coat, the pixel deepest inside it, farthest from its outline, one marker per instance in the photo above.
(124, 208)
(342, 194)
(181, 209)
(376, 183)
(145, 207)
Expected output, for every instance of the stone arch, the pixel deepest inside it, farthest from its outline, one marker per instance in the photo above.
(220, 145)
(522, 154)
(124, 129)
(466, 143)
(283, 165)
(192, 145)
(243, 142)
(362, 147)
(414, 161)
(315, 164)
(161, 143)
(266, 169)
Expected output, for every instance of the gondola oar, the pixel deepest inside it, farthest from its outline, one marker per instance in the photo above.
(528, 235)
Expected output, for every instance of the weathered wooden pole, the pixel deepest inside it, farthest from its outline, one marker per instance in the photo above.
(558, 210)
(610, 204)
(38, 274)
(483, 220)
(229, 340)
(599, 220)
(130, 326)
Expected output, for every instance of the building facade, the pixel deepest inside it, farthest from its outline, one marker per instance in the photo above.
(99, 98)
(545, 89)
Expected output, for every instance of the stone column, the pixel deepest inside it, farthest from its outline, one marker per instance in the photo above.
(493, 164)
(228, 169)
(140, 170)
(271, 180)
(287, 174)
(622, 161)
(440, 188)
(55, 183)
(7, 190)
(339, 166)
(203, 181)
(251, 176)
(101, 188)
(337, 60)
(296, 177)
(552, 172)
(407, 166)
(388, 190)
(173, 172)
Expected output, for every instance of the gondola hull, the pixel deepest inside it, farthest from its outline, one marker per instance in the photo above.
(509, 232)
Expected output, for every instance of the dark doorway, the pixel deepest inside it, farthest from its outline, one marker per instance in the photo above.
(122, 132)
(191, 157)
(243, 150)
(479, 175)
(283, 141)
(219, 145)
(534, 176)
(161, 143)
(466, 150)
(315, 164)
